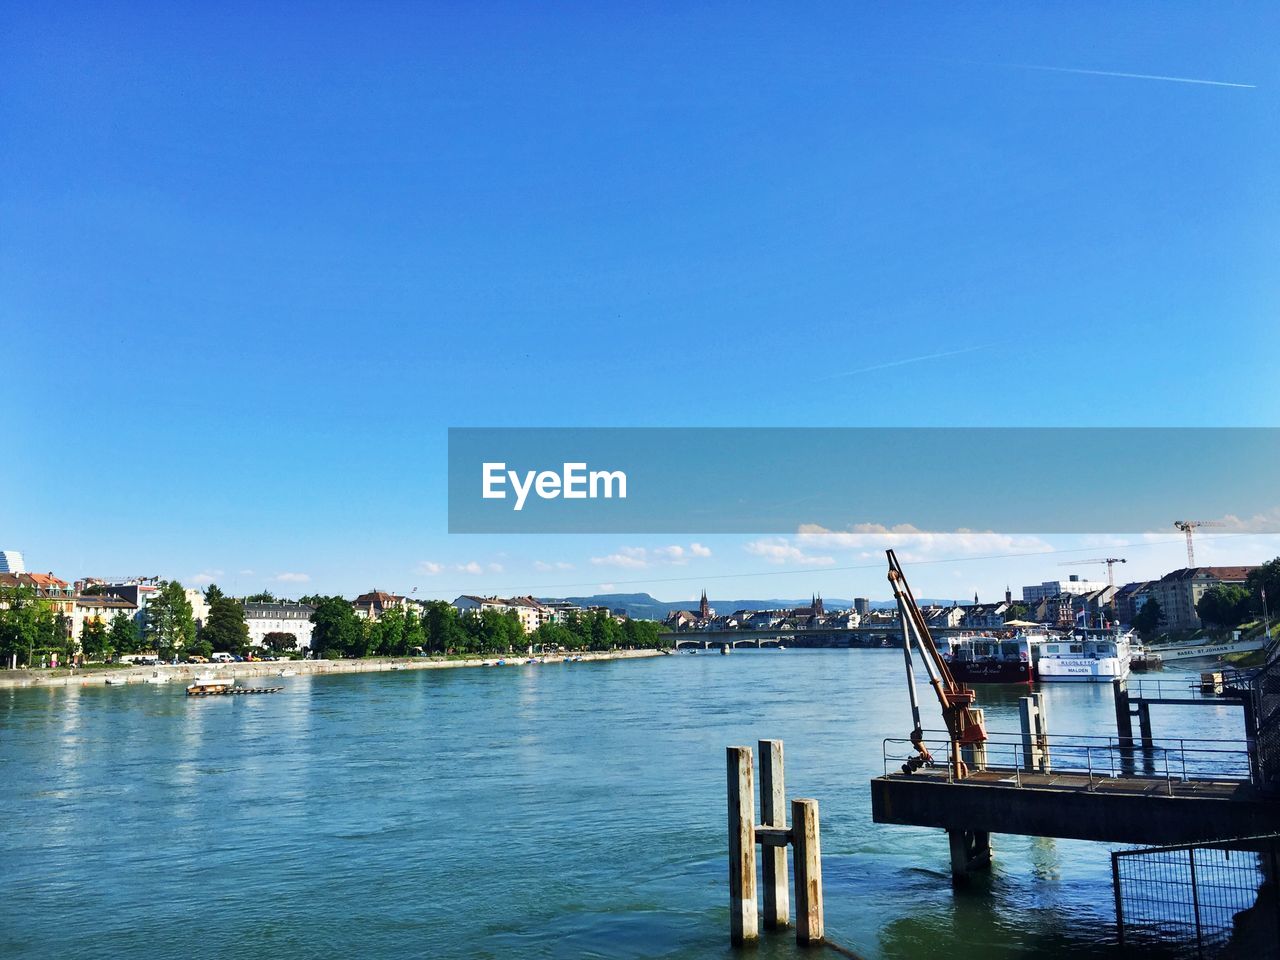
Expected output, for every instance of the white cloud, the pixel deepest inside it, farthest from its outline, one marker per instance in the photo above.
(915, 545)
(206, 576)
(779, 550)
(635, 558)
(473, 568)
(605, 587)
(543, 566)
(620, 560)
(493, 568)
(293, 577)
(429, 568)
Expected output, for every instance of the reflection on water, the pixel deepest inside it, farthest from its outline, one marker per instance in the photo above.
(569, 810)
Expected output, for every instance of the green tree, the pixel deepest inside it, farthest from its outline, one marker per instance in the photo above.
(1148, 620)
(387, 634)
(1016, 612)
(640, 634)
(266, 596)
(224, 628)
(1266, 578)
(443, 627)
(337, 631)
(169, 624)
(95, 640)
(415, 633)
(18, 625)
(1224, 605)
(279, 642)
(122, 637)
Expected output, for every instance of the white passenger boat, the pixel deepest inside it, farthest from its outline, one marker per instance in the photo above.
(1086, 656)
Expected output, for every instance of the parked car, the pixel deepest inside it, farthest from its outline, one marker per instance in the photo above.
(196, 658)
(221, 657)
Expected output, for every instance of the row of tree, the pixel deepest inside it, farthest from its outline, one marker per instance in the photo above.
(32, 631)
(441, 629)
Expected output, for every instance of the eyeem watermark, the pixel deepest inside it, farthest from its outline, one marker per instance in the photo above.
(573, 482)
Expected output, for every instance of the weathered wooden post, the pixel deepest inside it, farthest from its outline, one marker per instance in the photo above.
(743, 919)
(975, 754)
(808, 863)
(773, 813)
(1030, 742)
(1124, 718)
(1144, 725)
(1042, 730)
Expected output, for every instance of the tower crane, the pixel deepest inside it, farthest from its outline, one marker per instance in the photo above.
(963, 721)
(1186, 526)
(1109, 561)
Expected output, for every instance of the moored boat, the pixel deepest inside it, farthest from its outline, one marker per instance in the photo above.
(1086, 656)
(207, 686)
(991, 658)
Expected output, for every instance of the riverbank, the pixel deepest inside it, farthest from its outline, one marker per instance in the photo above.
(189, 671)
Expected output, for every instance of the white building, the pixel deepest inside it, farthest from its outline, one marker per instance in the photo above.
(528, 611)
(279, 617)
(11, 562)
(1054, 588)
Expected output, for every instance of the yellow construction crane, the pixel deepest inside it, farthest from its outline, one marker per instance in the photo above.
(1109, 561)
(1186, 526)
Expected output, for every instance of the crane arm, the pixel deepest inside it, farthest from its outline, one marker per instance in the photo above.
(964, 724)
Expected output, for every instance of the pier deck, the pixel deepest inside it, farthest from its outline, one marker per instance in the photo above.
(1129, 809)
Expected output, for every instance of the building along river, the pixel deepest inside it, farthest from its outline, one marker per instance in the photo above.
(563, 810)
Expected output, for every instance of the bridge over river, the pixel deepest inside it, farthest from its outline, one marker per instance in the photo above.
(820, 637)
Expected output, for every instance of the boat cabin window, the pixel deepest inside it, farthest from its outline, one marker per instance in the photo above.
(1051, 648)
(1077, 648)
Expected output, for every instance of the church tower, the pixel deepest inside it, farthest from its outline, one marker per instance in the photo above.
(704, 607)
(816, 605)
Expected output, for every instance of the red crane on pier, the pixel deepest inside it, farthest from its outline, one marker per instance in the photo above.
(963, 721)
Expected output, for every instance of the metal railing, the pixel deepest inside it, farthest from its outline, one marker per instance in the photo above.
(1098, 757)
(1186, 688)
(1208, 899)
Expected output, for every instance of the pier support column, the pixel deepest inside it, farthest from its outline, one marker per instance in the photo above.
(808, 857)
(970, 850)
(1144, 725)
(773, 813)
(744, 924)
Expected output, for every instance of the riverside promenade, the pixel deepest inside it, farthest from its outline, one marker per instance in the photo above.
(67, 677)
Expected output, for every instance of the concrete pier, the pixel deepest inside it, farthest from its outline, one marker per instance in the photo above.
(1136, 810)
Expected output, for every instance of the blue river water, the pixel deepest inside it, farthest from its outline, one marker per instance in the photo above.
(563, 810)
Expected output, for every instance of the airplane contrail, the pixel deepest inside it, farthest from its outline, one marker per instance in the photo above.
(903, 362)
(1133, 76)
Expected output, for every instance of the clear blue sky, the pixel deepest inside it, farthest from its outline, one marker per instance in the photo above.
(255, 258)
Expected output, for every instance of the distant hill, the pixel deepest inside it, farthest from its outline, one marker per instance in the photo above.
(642, 606)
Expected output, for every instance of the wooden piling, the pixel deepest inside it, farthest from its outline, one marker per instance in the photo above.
(1042, 730)
(1124, 719)
(744, 923)
(808, 864)
(773, 813)
(1030, 741)
(1144, 725)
